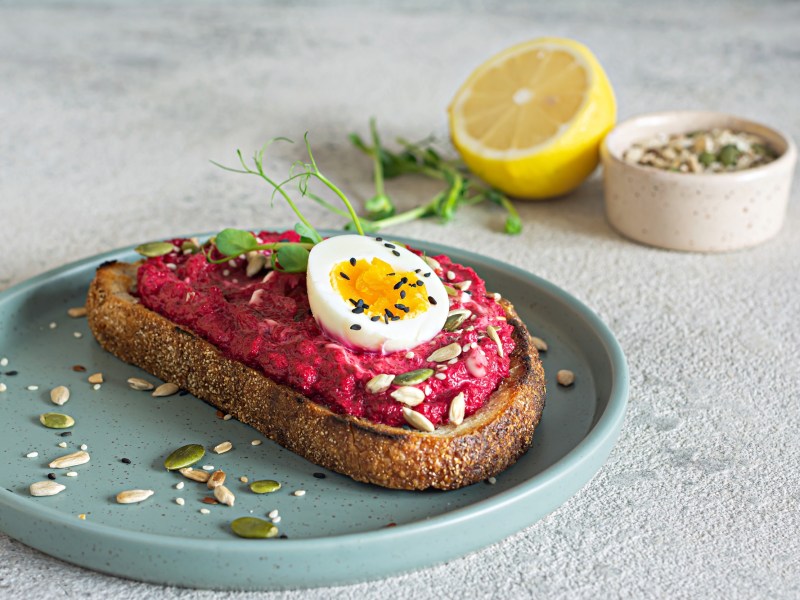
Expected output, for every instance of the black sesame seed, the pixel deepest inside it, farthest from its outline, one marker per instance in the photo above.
(432, 300)
(386, 319)
(320, 475)
(183, 393)
(11, 373)
(427, 275)
(375, 318)
(65, 434)
(402, 294)
(127, 461)
(283, 536)
(395, 318)
(398, 285)
(419, 282)
(392, 274)
(404, 279)
(389, 313)
(395, 252)
(417, 270)
(390, 245)
(353, 302)
(378, 239)
(355, 326)
(343, 275)
(51, 475)
(353, 261)
(357, 310)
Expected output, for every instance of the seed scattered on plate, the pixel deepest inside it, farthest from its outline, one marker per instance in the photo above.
(62, 444)
(46, 488)
(165, 389)
(82, 516)
(77, 312)
(565, 377)
(53, 325)
(71, 474)
(180, 501)
(539, 343)
(133, 496)
(3, 387)
(277, 519)
(77, 334)
(84, 447)
(184, 456)
(265, 486)
(491, 481)
(253, 528)
(59, 395)
(33, 454)
(208, 467)
(95, 378)
(255, 443)
(224, 495)
(227, 417)
(217, 479)
(70, 460)
(243, 479)
(299, 493)
(195, 475)
(223, 447)
(3, 362)
(96, 386)
(137, 383)
(56, 420)
(126, 461)
(273, 513)
(32, 388)
(180, 485)
(204, 511)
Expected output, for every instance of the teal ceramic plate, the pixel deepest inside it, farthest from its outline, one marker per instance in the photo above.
(340, 531)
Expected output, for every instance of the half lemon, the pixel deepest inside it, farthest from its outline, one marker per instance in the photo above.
(530, 120)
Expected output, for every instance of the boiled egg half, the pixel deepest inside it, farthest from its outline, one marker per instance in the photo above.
(371, 294)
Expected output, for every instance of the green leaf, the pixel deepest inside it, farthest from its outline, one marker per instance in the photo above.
(154, 249)
(356, 140)
(233, 242)
(292, 258)
(379, 207)
(307, 234)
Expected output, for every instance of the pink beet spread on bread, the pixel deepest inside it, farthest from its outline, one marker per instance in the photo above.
(265, 322)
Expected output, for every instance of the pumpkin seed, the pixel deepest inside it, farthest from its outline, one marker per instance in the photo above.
(59, 395)
(142, 385)
(46, 488)
(729, 155)
(265, 486)
(412, 377)
(217, 479)
(451, 291)
(445, 353)
(95, 378)
(492, 333)
(195, 475)
(417, 420)
(70, 460)
(56, 420)
(133, 496)
(565, 377)
(539, 343)
(253, 528)
(456, 318)
(224, 495)
(379, 383)
(184, 456)
(165, 389)
(154, 249)
(410, 396)
(223, 447)
(457, 407)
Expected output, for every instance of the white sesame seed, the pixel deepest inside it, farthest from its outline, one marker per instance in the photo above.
(62, 444)
(255, 443)
(440, 376)
(473, 345)
(427, 390)
(227, 417)
(3, 362)
(225, 272)
(232, 262)
(208, 467)
(299, 493)
(473, 317)
(180, 501)
(71, 474)
(3, 387)
(497, 296)
(276, 520)
(465, 348)
(409, 355)
(441, 367)
(234, 280)
(452, 361)
(33, 454)
(492, 480)
(179, 485)
(273, 514)
(32, 388)
(244, 479)
(172, 266)
(96, 387)
(53, 325)
(451, 275)
(204, 511)
(77, 334)
(84, 447)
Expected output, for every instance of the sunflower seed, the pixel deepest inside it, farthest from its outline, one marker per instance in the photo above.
(217, 479)
(165, 389)
(417, 420)
(255, 263)
(142, 385)
(457, 407)
(445, 353)
(539, 343)
(492, 333)
(184, 456)
(253, 528)
(70, 460)
(224, 495)
(456, 318)
(95, 378)
(56, 420)
(408, 395)
(59, 395)
(413, 377)
(223, 447)
(565, 377)
(265, 486)
(195, 475)
(379, 383)
(432, 263)
(76, 312)
(133, 496)
(46, 488)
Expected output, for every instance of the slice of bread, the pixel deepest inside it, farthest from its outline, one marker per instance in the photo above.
(450, 457)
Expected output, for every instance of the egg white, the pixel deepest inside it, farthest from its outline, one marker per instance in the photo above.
(334, 313)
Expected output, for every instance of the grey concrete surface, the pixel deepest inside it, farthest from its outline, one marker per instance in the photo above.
(110, 112)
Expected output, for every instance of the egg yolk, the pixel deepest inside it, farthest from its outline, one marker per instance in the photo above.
(377, 290)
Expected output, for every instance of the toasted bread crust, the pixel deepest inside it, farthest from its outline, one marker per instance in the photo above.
(451, 457)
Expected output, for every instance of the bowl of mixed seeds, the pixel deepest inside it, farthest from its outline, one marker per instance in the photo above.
(697, 181)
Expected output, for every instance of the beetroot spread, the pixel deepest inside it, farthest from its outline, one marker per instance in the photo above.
(265, 322)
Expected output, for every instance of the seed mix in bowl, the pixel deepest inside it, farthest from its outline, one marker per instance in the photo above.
(711, 151)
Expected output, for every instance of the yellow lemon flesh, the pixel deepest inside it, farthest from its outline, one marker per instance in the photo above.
(530, 120)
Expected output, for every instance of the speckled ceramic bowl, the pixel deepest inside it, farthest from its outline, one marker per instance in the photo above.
(689, 211)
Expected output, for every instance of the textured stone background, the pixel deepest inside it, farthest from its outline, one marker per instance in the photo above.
(109, 112)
